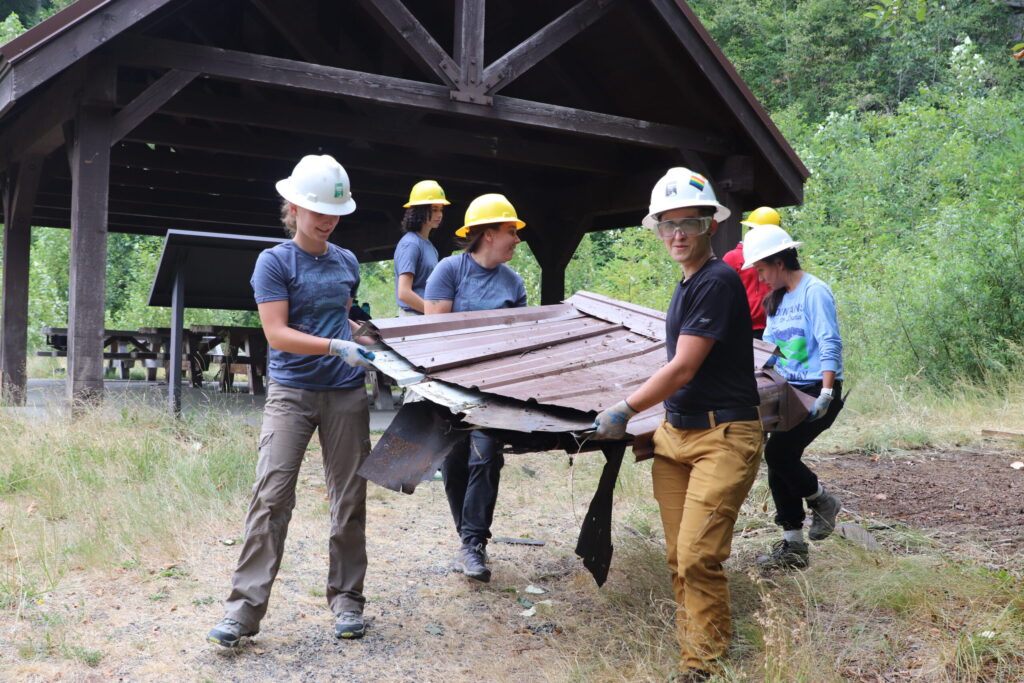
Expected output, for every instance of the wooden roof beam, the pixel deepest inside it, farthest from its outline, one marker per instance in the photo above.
(53, 57)
(726, 82)
(345, 83)
(414, 39)
(248, 145)
(319, 122)
(149, 101)
(528, 53)
(40, 128)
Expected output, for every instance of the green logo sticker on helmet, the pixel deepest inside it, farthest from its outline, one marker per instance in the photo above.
(339, 189)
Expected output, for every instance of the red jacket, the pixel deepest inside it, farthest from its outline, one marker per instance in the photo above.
(756, 291)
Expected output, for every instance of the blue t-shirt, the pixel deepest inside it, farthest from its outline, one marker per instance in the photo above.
(806, 329)
(317, 289)
(417, 256)
(471, 287)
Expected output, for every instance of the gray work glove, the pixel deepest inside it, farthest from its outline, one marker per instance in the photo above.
(821, 405)
(610, 424)
(352, 353)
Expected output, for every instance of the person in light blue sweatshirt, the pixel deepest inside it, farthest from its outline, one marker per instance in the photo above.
(802, 321)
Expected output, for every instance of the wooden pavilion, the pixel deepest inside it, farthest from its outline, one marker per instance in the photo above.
(142, 116)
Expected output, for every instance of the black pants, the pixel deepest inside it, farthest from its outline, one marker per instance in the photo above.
(789, 479)
(471, 476)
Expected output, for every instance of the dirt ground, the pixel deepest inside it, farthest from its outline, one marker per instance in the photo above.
(963, 499)
(147, 620)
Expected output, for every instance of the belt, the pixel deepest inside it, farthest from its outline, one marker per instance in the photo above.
(712, 418)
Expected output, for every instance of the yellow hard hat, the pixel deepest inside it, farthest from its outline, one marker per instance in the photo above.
(489, 208)
(426, 192)
(763, 215)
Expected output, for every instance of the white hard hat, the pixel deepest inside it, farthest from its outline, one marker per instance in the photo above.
(678, 188)
(319, 183)
(763, 241)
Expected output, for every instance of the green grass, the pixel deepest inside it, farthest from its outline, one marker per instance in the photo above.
(130, 495)
(101, 491)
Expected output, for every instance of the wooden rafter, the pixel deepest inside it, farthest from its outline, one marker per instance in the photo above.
(324, 123)
(149, 101)
(337, 82)
(725, 84)
(245, 144)
(528, 53)
(414, 39)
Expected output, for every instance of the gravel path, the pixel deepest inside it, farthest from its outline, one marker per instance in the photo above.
(148, 622)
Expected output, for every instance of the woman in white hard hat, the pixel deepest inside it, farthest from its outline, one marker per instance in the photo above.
(477, 280)
(802, 321)
(415, 255)
(304, 288)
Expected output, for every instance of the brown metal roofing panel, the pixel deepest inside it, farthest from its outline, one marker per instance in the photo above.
(557, 363)
(593, 383)
(478, 346)
(645, 321)
(577, 355)
(408, 329)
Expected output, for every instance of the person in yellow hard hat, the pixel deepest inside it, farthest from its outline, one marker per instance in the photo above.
(756, 290)
(475, 280)
(415, 255)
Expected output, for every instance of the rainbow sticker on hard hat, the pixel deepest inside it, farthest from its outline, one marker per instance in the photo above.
(697, 181)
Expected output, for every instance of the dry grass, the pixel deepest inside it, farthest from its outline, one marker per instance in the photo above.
(113, 562)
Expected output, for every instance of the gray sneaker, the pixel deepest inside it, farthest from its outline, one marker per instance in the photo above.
(785, 555)
(228, 632)
(823, 515)
(350, 625)
(471, 560)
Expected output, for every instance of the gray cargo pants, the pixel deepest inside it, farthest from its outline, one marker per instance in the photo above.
(342, 419)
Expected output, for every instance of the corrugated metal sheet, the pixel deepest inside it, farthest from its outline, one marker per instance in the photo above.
(558, 364)
(534, 377)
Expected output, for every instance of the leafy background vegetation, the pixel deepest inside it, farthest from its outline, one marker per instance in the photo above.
(907, 113)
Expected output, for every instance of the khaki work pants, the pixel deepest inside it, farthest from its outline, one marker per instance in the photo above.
(342, 419)
(701, 477)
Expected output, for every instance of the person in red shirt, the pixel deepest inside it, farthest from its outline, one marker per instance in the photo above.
(756, 291)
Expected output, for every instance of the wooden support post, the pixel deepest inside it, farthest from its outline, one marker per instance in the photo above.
(729, 232)
(177, 325)
(19, 202)
(553, 252)
(89, 155)
(469, 39)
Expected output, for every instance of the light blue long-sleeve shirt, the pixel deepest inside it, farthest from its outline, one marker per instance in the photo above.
(806, 329)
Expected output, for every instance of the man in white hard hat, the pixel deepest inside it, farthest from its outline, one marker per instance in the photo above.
(708, 448)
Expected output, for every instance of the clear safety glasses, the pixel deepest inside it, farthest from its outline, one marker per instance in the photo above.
(691, 227)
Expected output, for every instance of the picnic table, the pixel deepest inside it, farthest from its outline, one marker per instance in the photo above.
(122, 348)
(241, 350)
(236, 349)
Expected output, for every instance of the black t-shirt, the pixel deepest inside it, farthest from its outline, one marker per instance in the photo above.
(713, 303)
